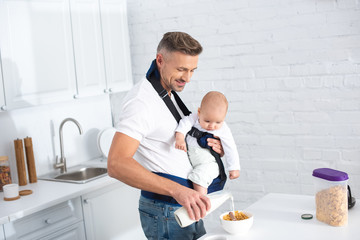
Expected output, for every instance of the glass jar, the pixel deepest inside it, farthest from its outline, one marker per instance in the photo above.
(5, 177)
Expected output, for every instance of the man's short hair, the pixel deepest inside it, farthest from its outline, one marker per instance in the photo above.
(181, 42)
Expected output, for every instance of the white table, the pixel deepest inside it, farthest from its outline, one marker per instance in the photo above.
(278, 216)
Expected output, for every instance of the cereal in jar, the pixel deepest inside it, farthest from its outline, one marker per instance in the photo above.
(331, 196)
(5, 177)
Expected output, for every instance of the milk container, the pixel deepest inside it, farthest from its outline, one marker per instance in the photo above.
(216, 199)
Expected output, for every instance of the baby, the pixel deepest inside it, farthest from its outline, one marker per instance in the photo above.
(209, 118)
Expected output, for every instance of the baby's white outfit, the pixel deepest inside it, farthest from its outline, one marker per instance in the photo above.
(205, 168)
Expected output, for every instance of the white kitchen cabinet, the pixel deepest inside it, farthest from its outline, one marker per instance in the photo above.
(62, 221)
(88, 47)
(112, 213)
(2, 236)
(56, 50)
(36, 51)
(102, 51)
(116, 45)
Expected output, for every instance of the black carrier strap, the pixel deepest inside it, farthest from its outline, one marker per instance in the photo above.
(154, 78)
(202, 141)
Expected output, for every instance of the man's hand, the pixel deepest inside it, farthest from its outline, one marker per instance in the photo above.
(216, 145)
(180, 141)
(195, 203)
(233, 174)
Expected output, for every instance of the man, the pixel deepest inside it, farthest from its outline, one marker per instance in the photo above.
(142, 153)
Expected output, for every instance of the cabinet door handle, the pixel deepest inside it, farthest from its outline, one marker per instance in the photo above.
(106, 90)
(76, 96)
(3, 108)
(49, 221)
(87, 201)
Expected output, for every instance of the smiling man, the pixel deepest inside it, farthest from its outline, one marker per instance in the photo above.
(142, 153)
(176, 68)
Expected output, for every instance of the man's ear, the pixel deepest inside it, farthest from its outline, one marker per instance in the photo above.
(159, 59)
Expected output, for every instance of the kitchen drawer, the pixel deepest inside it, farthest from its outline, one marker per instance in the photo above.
(44, 222)
(2, 236)
(73, 232)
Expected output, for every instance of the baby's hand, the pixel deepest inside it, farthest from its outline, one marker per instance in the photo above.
(233, 174)
(180, 141)
(180, 145)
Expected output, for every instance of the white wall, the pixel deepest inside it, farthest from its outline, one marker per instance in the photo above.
(291, 72)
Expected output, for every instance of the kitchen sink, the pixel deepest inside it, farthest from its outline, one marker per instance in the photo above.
(79, 174)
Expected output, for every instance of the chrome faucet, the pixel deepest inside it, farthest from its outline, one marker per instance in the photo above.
(62, 163)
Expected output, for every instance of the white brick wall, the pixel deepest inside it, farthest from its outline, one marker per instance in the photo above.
(291, 72)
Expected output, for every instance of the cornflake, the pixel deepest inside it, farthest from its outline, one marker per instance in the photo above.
(332, 205)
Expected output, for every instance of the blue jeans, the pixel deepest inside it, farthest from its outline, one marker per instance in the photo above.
(158, 222)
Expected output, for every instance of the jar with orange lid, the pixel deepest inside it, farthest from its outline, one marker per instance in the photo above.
(5, 177)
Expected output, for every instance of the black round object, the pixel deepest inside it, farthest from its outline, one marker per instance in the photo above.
(307, 216)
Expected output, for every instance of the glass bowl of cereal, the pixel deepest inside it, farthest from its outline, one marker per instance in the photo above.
(238, 222)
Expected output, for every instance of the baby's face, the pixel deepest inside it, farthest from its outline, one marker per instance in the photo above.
(211, 119)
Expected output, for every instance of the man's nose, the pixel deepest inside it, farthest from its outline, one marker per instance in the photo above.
(187, 76)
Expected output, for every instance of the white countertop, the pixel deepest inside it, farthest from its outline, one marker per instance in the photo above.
(46, 194)
(278, 216)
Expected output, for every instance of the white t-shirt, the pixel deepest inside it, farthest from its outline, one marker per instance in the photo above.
(146, 118)
(227, 141)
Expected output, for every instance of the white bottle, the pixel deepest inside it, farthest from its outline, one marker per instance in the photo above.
(216, 199)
